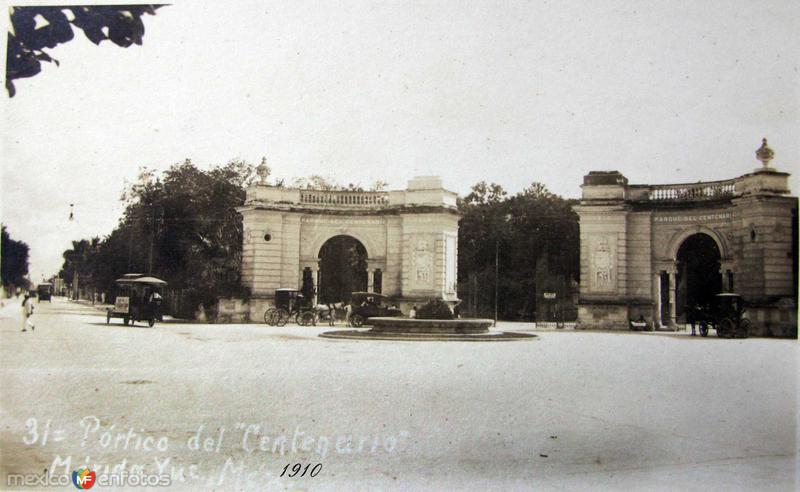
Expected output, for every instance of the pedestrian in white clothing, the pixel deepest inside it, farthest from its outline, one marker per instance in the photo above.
(27, 312)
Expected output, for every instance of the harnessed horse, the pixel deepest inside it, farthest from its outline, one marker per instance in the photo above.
(331, 311)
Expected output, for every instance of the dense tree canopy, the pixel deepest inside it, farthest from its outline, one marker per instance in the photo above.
(181, 226)
(14, 259)
(33, 29)
(530, 235)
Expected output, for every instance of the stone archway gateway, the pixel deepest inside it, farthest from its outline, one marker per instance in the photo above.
(408, 240)
(647, 250)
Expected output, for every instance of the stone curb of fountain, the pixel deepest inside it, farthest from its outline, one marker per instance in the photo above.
(501, 336)
(462, 330)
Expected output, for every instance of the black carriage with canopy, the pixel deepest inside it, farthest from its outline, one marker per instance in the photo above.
(139, 298)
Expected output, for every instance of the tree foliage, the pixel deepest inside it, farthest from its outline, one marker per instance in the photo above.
(34, 29)
(317, 182)
(13, 260)
(434, 309)
(181, 226)
(530, 234)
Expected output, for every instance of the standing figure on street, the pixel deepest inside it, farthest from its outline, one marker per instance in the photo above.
(692, 316)
(457, 310)
(348, 313)
(27, 312)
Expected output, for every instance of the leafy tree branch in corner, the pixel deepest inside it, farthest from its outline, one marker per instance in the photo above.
(34, 29)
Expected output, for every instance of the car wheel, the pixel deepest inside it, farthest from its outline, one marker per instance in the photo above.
(744, 329)
(725, 328)
(356, 320)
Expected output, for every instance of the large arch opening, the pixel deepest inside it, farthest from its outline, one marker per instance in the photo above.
(698, 276)
(343, 268)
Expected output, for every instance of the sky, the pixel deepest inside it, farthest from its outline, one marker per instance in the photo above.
(505, 92)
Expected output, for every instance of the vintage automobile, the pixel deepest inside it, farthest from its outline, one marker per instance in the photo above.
(367, 305)
(138, 299)
(725, 315)
(44, 292)
(289, 303)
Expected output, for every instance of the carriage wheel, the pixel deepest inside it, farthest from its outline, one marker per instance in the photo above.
(725, 328)
(307, 318)
(281, 317)
(744, 328)
(268, 315)
(356, 320)
(703, 329)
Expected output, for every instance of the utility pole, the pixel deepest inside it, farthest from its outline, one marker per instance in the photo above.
(496, 275)
(150, 253)
(152, 240)
(506, 218)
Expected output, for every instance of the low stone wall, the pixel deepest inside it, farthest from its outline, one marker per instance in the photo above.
(232, 311)
(602, 317)
(773, 320)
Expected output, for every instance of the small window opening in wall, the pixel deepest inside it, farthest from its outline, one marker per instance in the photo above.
(752, 235)
(268, 237)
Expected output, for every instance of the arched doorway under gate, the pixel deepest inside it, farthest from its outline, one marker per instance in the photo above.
(342, 269)
(698, 275)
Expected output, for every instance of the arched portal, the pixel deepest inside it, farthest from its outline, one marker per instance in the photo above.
(343, 268)
(698, 276)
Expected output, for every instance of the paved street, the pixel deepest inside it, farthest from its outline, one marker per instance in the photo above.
(569, 411)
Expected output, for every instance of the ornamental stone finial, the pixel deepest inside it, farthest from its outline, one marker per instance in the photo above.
(764, 153)
(263, 171)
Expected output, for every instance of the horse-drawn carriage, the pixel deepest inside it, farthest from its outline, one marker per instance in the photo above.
(289, 304)
(725, 315)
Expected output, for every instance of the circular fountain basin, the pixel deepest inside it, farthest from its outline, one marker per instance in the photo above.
(429, 329)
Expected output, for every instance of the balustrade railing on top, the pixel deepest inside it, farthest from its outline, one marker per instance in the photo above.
(344, 198)
(710, 190)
